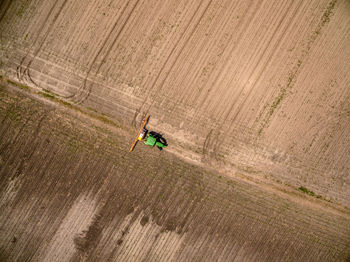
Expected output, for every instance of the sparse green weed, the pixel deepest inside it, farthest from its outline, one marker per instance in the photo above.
(307, 191)
(21, 86)
(47, 95)
(310, 193)
(92, 109)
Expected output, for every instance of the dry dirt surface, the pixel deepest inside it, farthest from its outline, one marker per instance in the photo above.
(70, 191)
(260, 86)
(250, 91)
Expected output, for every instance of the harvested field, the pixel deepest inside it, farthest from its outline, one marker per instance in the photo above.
(253, 94)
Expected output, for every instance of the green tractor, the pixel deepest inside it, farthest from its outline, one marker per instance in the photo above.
(151, 138)
(155, 139)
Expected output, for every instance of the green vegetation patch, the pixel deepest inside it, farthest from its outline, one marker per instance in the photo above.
(47, 95)
(22, 8)
(20, 85)
(106, 120)
(65, 103)
(50, 92)
(277, 101)
(328, 12)
(92, 109)
(283, 91)
(102, 117)
(309, 192)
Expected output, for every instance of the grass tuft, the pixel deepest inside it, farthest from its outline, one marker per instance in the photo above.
(306, 191)
(21, 86)
(47, 95)
(310, 193)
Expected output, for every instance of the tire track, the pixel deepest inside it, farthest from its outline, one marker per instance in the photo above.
(239, 39)
(160, 87)
(2, 5)
(205, 145)
(267, 62)
(153, 85)
(3, 127)
(82, 16)
(4, 147)
(24, 73)
(265, 66)
(52, 24)
(138, 198)
(85, 91)
(184, 94)
(138, 110)
(293, 74)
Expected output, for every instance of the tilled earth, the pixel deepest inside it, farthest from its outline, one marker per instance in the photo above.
(249, 85)
(252, 96)
(71, 191)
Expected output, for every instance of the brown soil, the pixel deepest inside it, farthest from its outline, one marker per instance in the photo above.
(240, 85)
(252, 90)
(71, 191)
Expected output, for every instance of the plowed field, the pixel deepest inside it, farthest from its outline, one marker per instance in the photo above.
(254, 92)
(70, 191)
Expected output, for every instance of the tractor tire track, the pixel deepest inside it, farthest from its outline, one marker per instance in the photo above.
(206, 142)
(294, 72)
(223, 51)
(160, 86)
(5, 8)
(239, 39)
(205, 83)
(25, 72)
(266, 64)
(41, 29)
(219, 139)
(161, 70)
(166, 210)
(87, 90)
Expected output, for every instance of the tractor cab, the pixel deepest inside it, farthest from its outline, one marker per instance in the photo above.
(155, 139)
